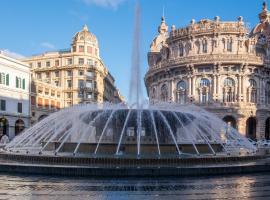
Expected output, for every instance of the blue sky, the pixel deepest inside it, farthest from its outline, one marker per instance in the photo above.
(31, 27)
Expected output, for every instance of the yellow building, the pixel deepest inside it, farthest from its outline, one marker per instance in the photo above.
(78, 72)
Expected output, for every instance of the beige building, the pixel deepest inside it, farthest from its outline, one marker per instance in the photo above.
(45, 99)
(219, 65)
(78, 73)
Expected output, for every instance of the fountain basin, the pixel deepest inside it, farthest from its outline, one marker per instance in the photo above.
(124, 167)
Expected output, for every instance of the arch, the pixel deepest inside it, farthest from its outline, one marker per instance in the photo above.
(267, 92)
(4, 126)
(42, 117)
(229, 90)
(204, 82)
(267, 129)
(164, 93)
(229, 82)
(252, 91)
(19, 126)
(181, 85)
(230, 121)
(251, 128)
(181, 92)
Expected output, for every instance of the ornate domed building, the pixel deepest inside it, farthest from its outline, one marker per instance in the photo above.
(218, 65)
(72, 76)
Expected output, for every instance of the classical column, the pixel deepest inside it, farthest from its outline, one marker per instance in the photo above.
(189, 86)
(193, 86)
(238, 89)
(171, 90)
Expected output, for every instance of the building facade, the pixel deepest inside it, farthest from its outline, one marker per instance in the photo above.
(218, 65)
(78, 73)
(14, 95)
(45, 99)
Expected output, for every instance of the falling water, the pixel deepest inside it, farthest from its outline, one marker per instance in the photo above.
(135, 90)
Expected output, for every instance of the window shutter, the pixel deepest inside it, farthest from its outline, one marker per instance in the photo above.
(7, 79)
(17, 82)
(23, 83)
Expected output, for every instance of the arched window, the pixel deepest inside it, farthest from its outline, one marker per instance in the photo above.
(251, 124)
(19, 126)
(252, 91)
(181, 92)
(229, 90)
(267, 93)
(204, 46)
(4, 126)
(181, 49)
(204, 90)
(204, 82)
(164, 93)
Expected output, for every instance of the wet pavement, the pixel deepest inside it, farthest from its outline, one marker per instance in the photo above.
(252, 186)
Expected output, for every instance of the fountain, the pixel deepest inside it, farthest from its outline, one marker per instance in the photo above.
(138, 139)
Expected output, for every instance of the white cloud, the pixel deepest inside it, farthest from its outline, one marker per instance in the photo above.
(105, 3)
(12, 54)
(48, 45)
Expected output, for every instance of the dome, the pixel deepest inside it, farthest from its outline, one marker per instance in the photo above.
(85, 36)
(161, 130)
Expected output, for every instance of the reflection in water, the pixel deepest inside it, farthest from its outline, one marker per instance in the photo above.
(42, 187)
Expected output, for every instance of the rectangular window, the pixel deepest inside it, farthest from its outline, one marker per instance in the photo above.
(38, 75)
(89, 84)
(96, 52)
(47, 74)
(23, 84)
(52, 104)
(47, 104)
(81, 72)
(81, 48)
(89, 95)
(80, 94)
(81, 83)
(40, 102)
(69, 73)
(81, 61)
(56, 73)
(56, 83)
(90, 62)
(19, 107)
(39, 64)
(68, 95)
(3, 105)
(57, 63)
(89, 50)
(69, 61)
(89, 73)
(48, 64)
(69, 83)
(7, 79)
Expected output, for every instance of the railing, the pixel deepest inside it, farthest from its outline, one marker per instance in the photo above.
(210, 59)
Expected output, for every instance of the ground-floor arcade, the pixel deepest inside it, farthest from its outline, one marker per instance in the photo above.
(13, 125)
(249, 121)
